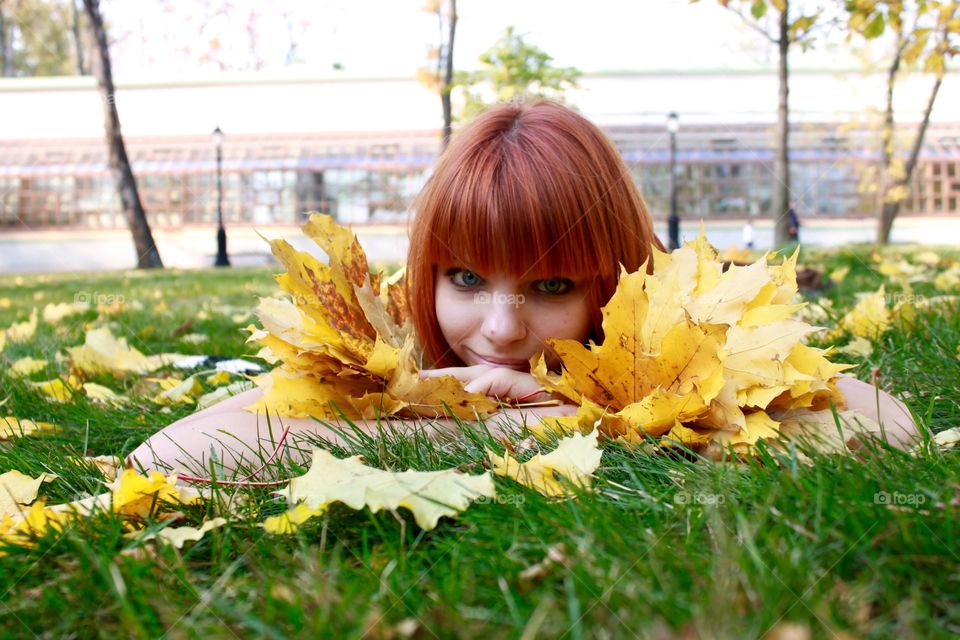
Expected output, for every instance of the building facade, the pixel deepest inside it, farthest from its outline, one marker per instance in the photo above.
(362, 148)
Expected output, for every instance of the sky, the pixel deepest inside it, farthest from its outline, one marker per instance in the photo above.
(391, 37)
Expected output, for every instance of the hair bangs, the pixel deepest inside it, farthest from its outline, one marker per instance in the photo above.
(520, 214)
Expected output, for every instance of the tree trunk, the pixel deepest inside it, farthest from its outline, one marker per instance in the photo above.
(5, 54)
(448, 78)
(781, 162)
(77, 40)
(891, 208)
(147, 254)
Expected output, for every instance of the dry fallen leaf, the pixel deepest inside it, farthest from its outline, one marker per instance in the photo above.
(177, 536)
(102, 352)
(18, 489)
(23, 331)
(103, 395)
(27, 366)
(429, 495)
(11, 426)
(869, 317)
(54, 313)
(557, 473)
(859, 347)
(178, 391)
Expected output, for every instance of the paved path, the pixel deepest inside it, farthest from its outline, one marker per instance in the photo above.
(195, 247)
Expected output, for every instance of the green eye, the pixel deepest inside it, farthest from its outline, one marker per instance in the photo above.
(554, 286)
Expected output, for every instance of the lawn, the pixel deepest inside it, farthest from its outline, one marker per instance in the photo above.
(845, 547)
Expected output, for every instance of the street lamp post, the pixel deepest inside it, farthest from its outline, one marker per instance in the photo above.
(673, 222)
(222, 259)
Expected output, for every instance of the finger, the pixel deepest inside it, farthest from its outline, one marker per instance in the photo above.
(464, 374)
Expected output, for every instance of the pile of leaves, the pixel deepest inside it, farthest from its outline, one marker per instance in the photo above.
(694, 355)
(704, 358)
(344, 342)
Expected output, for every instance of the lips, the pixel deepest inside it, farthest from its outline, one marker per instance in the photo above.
(520, 365)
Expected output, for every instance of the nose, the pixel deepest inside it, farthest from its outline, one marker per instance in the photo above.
(503, 321)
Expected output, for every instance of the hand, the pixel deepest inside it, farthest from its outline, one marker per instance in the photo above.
(497, 382)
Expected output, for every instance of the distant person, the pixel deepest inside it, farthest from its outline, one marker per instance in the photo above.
(793, 231)
(748, 234)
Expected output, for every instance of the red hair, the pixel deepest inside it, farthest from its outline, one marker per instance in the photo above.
(530, 190)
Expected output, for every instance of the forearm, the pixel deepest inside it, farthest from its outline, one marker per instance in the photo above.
(892, 414)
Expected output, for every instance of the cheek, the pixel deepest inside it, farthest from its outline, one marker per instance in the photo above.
(571, 323)
(453, 315)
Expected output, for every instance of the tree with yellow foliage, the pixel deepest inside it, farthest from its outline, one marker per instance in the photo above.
(924, 35)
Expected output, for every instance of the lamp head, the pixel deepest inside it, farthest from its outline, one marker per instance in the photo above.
(673, 122)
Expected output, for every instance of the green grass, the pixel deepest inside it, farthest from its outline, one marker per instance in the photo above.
(663, 547)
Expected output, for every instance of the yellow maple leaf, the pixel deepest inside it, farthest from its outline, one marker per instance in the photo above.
(869, 317)
(23, 331)
(429, 495)
(178, 391)
(18, 489)
(697, 355)
(11, 426)
(102, 352)
(137, 495)
(54, 313)
(178, 536)
(343, 338)
(289, 521)
(58, 390)
(3, 339)
(103, 395)
(27, 366)
(570, 465)
(219, 378)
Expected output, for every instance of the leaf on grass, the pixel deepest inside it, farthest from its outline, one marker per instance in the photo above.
(177, 536)
(11, 426)
(18, 489)
(102, 352)
(869, 317)
(943, 441)
(859, 347)
(106, 465)
(3, 339)
(137, 495)
(219, 378)
(27, 366)
(570, 465)
(222, 393)
(23, 331)
(178, 391)
(54, 313)
(289, 521)
(429, 495)
(103, 395)
(58, 390)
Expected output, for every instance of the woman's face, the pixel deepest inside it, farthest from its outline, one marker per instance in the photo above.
(503, 320)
